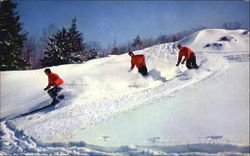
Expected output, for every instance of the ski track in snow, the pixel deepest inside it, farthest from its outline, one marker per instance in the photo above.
(86, 110)
(27, 144)
(91, 110)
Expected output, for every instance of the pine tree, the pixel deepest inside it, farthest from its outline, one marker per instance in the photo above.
(174, 38)
(65, 47)
(57, 51)
(93, 54)
(11, 38)
(76, 45)
(137, 42)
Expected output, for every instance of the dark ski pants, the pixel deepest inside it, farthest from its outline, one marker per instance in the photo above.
(53, 92)
(143, 70)
(191, 63)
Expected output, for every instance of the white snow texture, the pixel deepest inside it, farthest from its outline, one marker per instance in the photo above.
(110, 111)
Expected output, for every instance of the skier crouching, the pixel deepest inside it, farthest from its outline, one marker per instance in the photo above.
(139, 62)
(189, 57)
(55, 81)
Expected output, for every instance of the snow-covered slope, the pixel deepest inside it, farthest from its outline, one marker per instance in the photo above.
(218, 40)
(102, 89)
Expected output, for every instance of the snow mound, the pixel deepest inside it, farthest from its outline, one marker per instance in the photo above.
(218, 40)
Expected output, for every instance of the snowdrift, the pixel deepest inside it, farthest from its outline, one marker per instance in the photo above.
(218, 40)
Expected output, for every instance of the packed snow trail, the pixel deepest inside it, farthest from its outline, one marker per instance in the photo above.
(101, 89)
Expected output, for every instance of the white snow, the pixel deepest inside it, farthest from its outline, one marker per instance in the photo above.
(110, 111)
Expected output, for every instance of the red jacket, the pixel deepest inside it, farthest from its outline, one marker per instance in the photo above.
(138, 61)
(54, 80)
(186, 52)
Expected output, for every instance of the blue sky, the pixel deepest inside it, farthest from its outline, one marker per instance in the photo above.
(102, 21)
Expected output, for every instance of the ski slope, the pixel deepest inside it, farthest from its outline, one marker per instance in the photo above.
(101, 93)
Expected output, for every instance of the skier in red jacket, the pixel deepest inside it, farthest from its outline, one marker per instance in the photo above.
(139, 62)
(189, 57)
(55, 81)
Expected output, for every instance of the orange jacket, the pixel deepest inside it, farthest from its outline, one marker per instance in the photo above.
(138, 60)
(54, 80)
(186, 52)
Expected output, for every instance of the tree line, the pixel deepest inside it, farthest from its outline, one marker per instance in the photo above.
(65, 45)
(139, 43)
(57, 47)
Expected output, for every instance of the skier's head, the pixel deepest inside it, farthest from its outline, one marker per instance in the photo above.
(47, 71)
(130, 53)
(179, 46)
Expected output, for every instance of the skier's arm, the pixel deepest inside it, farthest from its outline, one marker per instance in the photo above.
(143, 59)
(132, 66)
(188, 55)
(184, 60)
(179, 59)
(48, 86)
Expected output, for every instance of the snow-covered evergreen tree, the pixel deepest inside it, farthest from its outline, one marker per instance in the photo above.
(57, 50)
(65, 47)
(76, 46)
(11, 38)
(93, 54)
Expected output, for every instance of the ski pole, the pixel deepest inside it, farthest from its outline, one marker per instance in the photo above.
(74, 84)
